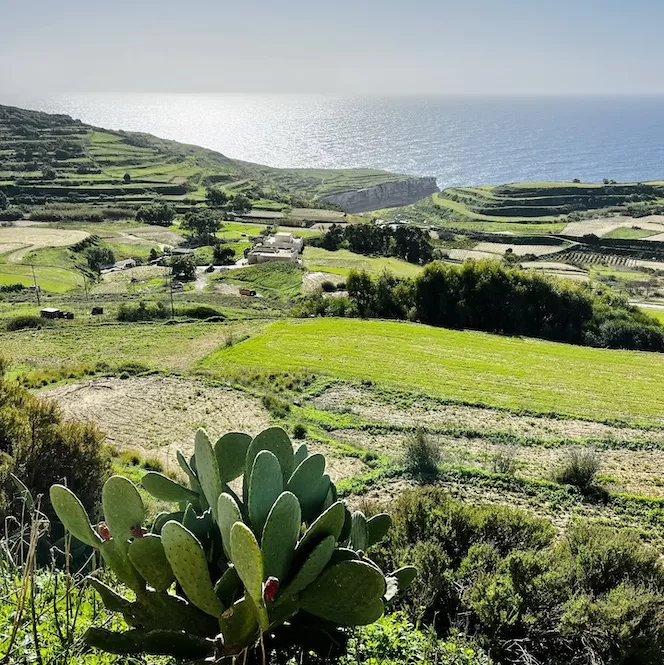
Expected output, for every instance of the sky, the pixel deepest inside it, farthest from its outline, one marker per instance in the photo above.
(345, 46)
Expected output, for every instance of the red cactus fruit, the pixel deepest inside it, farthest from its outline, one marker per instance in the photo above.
(104, 531)
(137, 531)
(270, 588)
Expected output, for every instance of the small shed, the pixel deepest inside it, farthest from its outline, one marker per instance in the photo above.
(50, 313)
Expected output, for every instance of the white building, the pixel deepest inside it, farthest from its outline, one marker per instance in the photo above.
(277, 247)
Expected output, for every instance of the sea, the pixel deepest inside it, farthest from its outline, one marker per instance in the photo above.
(461, 140)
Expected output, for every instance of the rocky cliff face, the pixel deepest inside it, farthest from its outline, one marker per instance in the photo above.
(386, 195)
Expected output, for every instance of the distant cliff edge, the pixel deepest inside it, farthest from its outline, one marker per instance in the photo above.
(384, 195)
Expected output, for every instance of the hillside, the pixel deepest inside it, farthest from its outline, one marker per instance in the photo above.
(56, 158)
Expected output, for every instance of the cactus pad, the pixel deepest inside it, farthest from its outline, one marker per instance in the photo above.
(301, 453)
(377, 528)
(114, 554)
(148, 557)
(312, 567)
(163, 488)
(265, 485)
(277, 442)
(239, 628)
(73, 515)
(207, 470)
(329, 523)
(231, 453)
(228, 512)
(123, 509)
(349, 593)
(188, 561)
(359, 536)
(280, 534)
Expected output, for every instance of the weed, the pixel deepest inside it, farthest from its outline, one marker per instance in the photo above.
(422, 454)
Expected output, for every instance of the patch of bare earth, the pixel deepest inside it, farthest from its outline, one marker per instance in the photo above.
(157, 415)
(427, 413)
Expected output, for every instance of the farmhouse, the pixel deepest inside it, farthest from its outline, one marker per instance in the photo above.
(277, 247)
(124, 265)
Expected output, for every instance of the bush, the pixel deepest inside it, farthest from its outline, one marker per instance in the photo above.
(130, 458)
(328, 287)
(504, 462)
(201, 312)
(44, 449)
(26, 321)
(279, 408)
(142, 312)
(595, 594)
(153, 464)
(299, 431)
(422, 454)
(161, 214)
(579, 469)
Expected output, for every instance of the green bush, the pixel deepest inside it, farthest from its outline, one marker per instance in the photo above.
(45, 449)
(200, 312)
(394, 640)
(142, 312)
(422, 454)
(595, 594)
(26, 321)
(299, 431)
(579, 469)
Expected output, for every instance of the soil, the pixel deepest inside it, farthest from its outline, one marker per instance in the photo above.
(157, 415)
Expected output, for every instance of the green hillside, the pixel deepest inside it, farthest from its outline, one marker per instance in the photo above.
(461, 365)
(46, 157)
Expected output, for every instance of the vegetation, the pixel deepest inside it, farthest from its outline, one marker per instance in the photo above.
(484, 295)
(406, 242)
(590, 596)
(309, 568)
(161, 214)
(41, 448)
(516, 373)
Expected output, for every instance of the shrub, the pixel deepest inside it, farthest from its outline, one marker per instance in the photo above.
(44, 448)
(279, 408)
(299, 431)
(422, 454)
(153, 464)
(200, 312)
(130, 458)
(579, 469)
(26, 321)
(504, 462)
(328, 286)
(161, 214)
(142, 312)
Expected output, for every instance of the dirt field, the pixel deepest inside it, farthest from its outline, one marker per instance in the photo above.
(600, 227)
(23, 239)
(348, 399)
(156, 415)
(518, 250)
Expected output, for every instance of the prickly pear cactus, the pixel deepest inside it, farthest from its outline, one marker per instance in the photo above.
(222, 570)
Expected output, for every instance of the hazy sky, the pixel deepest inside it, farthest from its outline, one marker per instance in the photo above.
(436, 46)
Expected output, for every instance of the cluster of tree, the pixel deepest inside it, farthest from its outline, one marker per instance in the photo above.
(183, 268)
(486, 295)
(99, 257)
(202, 223)
(159, 213)
(528, 595)
(239, 204)
(4, 201)
(41, 448)
(406, 242)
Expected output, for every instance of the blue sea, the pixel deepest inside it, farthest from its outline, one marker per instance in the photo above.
(459, 140)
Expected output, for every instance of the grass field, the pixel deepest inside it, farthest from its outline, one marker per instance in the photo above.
(341, 261)
(459, 365)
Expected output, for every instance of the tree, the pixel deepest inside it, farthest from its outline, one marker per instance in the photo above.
(183, 268)
(153, 256)
(161, 214)
(239, 204)
(99, 257)
(223, 255)
(126, 179)
(4, 201)
(48, 173)
(216, 198)
(202, 223)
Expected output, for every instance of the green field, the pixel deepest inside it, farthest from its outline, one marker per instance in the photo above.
(341, 261)
(459, 365)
